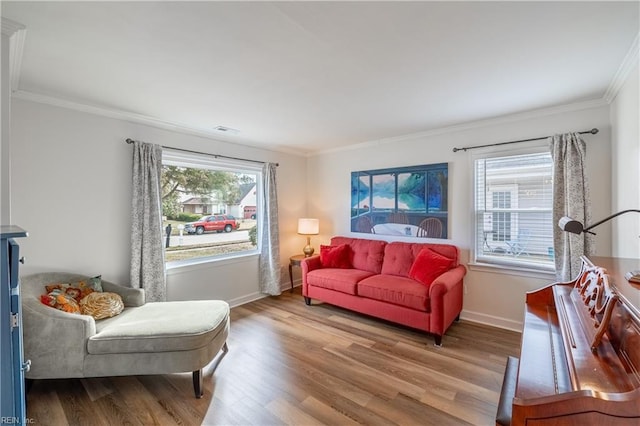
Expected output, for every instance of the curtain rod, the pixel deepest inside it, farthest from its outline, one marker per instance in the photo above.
(592, 131)
(130, 141)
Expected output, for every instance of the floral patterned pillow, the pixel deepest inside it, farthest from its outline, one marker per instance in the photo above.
(62, 301)
(79, 289)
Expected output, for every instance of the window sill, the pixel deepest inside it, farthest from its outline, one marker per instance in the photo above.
(512, 270)
(180, 266)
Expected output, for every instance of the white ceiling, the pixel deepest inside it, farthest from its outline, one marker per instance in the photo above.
(311, 76)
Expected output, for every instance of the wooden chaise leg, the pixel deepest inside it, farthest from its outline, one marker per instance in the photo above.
(307, 301)
(197, 375)
(225, 349)
(197, 383)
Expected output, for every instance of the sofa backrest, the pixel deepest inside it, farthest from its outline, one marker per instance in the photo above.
(366, 255)
(399, 256)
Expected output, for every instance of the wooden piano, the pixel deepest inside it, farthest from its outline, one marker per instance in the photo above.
(580, 354)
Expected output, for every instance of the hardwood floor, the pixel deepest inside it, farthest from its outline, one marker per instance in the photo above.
(292, 364)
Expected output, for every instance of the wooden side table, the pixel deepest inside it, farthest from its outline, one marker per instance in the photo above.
(294, 261)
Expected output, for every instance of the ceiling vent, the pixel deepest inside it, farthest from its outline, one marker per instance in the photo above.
(227, 130)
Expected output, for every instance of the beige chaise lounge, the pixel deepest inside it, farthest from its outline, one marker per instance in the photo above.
(146, 338)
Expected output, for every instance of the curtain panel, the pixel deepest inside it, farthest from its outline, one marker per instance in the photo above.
(147, 252)
(269, 267)
(570, 198)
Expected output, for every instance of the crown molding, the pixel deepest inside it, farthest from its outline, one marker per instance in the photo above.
(185, 129)
(9, 27)
(142, 119)
(17, 34)
(505, 119)
(625, 68)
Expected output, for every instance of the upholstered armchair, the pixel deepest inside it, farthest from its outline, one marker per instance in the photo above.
(145, 338)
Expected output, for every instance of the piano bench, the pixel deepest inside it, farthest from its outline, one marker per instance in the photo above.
(505, 405)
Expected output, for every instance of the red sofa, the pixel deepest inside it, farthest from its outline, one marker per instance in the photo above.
(376, 279)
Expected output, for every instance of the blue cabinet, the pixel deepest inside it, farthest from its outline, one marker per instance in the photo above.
(12, 364)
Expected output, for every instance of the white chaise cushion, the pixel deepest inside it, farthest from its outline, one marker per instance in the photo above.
(160, 327)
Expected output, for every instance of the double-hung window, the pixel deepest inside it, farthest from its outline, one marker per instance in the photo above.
(210, 206)
(513, 209)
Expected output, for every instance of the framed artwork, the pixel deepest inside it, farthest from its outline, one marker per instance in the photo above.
(404, 201)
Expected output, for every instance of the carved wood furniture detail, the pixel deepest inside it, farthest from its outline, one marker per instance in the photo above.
(580, 355)
(592, 289)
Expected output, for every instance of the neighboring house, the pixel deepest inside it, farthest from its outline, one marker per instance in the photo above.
(245, 204)
(515, 188)
(244, 207)
(197, 205)
(248, 202)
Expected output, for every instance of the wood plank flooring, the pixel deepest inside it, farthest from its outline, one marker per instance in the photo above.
(292, 364)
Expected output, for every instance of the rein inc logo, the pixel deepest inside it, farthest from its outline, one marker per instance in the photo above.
(16, 421)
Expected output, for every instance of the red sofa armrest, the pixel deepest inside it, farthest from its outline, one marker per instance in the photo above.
(445, 294)
(307, 265)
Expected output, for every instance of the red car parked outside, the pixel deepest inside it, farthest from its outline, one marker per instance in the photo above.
(216, 222)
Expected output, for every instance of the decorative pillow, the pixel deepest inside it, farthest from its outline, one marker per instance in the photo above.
(60, 300)
(335, 256)
(101, 305)
(429, 265)
(78, 289)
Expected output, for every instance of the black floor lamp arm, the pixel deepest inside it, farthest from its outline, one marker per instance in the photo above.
(609, 218)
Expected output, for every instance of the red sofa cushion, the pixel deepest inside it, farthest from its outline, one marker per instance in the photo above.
(335, 256)
(429, 265)
(342, 280)
(366, 255)
(399, 256)
(397, 290)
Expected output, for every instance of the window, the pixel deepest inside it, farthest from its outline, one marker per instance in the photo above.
(513, 210)
(209, 206)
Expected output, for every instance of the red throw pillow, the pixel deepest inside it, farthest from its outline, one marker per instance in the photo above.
(429, 265)
(335, 256)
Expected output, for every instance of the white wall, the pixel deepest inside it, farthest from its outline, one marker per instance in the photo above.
(625, 141)
(491, 297)
(71, 189)
(5, 102)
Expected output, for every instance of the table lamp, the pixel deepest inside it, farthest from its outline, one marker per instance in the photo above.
(307, 226)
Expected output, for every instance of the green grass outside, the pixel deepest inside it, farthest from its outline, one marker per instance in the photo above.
(208, 249)
(181, 253)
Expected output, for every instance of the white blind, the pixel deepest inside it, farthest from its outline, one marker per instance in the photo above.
(513, 210)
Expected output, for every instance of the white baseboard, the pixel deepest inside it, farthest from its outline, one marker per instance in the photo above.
(246, 299)
(465, 315)
(491, 320)
(287, 285)
(257, 295)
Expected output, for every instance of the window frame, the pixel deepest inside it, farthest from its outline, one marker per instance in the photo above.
(478, 228)
(180, 158)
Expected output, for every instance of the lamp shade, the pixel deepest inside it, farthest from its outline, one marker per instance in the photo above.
(307, 226)
(568, 224)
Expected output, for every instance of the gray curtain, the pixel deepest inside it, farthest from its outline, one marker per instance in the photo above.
(570, 198)
(269, 242)
(147, 252)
